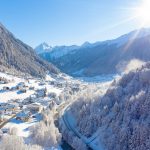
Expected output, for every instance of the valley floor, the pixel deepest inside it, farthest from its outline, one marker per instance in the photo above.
(23, 99)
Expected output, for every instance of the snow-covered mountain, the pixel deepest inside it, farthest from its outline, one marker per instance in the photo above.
(59, 51)
(43, 47)
(119, 119)
(16, 56)
(56, 52)
(92, 59)
(130, 36)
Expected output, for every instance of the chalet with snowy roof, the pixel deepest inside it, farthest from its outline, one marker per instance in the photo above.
(41, 92)
(35, 107)
(23, 116)
(3, 80)
(5, 88)
(20, 85)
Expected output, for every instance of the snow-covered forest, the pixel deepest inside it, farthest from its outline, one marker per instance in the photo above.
(121, 116)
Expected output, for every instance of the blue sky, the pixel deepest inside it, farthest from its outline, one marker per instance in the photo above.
(66, 22)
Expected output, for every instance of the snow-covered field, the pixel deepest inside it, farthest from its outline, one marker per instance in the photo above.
(22, 127)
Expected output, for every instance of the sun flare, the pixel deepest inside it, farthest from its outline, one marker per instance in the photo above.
(142, 13)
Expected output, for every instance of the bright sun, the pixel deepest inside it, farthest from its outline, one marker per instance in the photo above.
(142, 13)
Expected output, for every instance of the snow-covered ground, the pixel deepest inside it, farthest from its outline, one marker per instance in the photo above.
(69, 120)
(52, 84)
(93, 142)
(31, 85)
(6, 95)
(22, 127)
(10, 94)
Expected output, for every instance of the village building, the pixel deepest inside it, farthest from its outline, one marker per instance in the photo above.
(23, 90)
(23, 116)
(31, 88)
(5, 88)
(52, 95)
(41, 92)
(3, 80)
(3, 104)
(20, 85)
(35, 107)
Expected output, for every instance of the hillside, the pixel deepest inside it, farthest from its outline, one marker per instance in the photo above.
(15, 56)
(101, 57)
(121, 117)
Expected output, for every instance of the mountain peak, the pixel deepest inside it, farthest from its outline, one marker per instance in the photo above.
(85, 44)
(43, 47)
(45, 44)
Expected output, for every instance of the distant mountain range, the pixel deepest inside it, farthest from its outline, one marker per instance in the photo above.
(15, 56)
(92, 59)
(55, 52)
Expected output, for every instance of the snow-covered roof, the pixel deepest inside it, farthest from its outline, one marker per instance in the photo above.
(22, 115)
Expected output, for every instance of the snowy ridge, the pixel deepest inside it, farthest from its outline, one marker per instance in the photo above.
(44, 47)
(89, 58)
(130, 36)
(58, 51)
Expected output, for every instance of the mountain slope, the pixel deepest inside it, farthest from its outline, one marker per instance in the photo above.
(121, 117)
(103, 57)
(17, 56)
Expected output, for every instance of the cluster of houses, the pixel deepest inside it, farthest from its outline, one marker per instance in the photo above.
(25, 109)
(21, 87)
(4, 80)
(23, 113)
(27, 114)
(57, 84)
(7, 110)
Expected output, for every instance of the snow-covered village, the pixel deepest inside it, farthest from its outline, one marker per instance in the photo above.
(28, 103)
(25, 99)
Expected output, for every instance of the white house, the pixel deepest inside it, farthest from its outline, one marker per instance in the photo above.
(35, 107)
(23, 116)
(41, 92)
